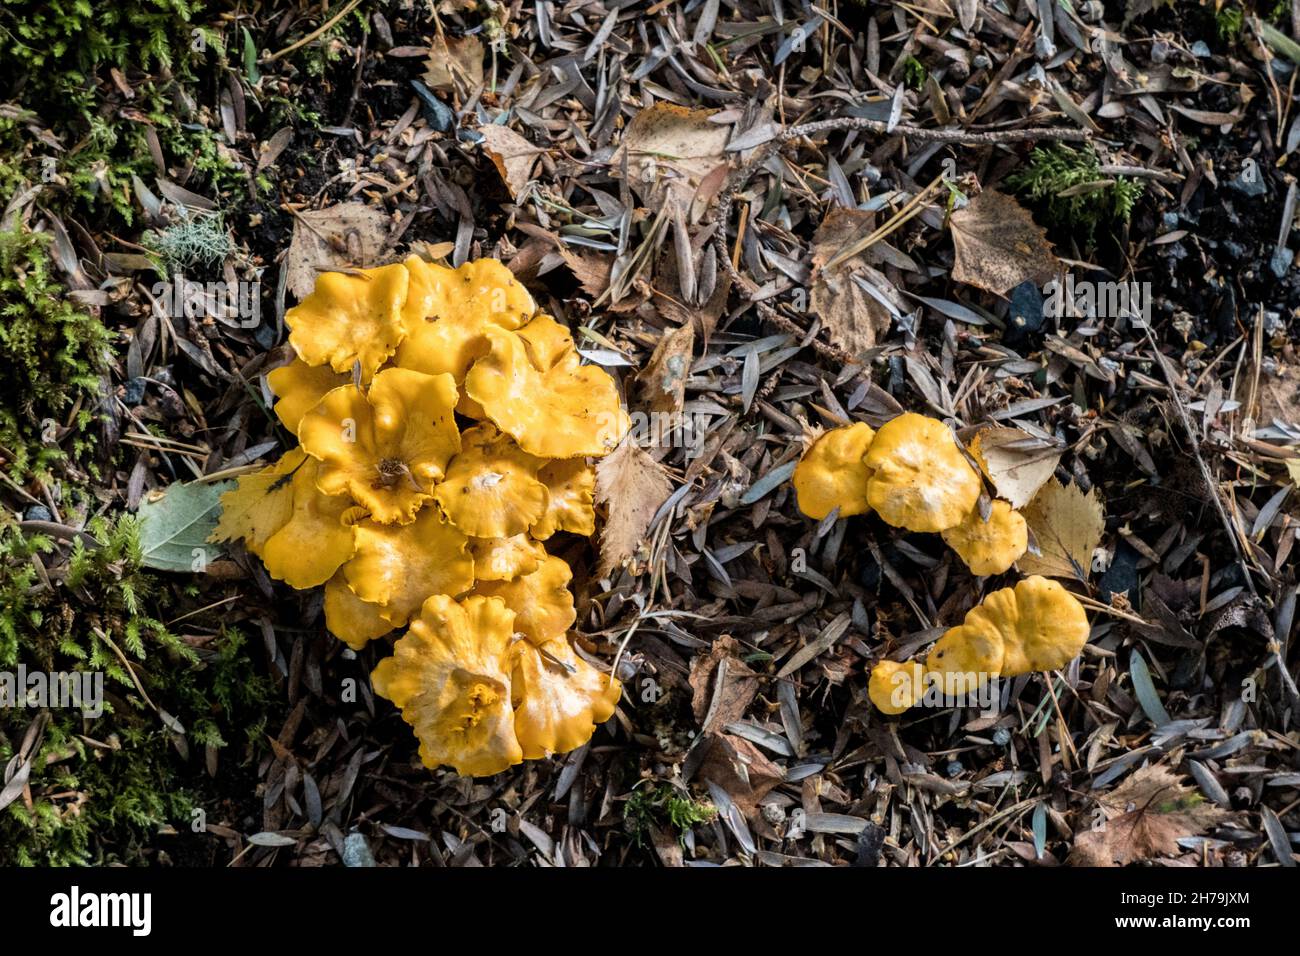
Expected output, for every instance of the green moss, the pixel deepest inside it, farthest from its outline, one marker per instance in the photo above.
(101, 787)
(663, 806)
(55, 356)
(914, 73)
(1090, 197)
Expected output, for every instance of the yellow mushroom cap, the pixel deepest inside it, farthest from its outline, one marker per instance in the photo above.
(491, 488)
(350, 619)
(317, 538)
(542, 601)
(385, 447)
(921, 481)
(559, 698)
(1042, 625)
(350, 318)
(894, 686)
(831, 474)
(450, 676)
(558, 410)
(299, 386)
(504, 559)
(966, 657)
(445, 334)
(989, 547)
(571, 483)
(398, 566)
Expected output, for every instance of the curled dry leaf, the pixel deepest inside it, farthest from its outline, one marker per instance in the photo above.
(1067, 525)
(998, 245)
(661, 385)
(1016, 462)
(512, 155)
(670, 150)
(631, 485)
(345, 236)
(854, 318)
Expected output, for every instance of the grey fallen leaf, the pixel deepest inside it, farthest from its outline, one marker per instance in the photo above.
(268, 838)
(1145, 690)
(176, 523)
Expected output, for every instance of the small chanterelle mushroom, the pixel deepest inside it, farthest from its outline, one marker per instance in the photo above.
(1035, 626)
(411, 519)
(989, 545)
(832, 474)
(920, 479)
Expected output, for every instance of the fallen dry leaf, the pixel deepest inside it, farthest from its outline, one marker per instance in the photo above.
(854, 318)
(661, 385)
(631, 485)
(1016, 462)
(1067, 524)
(721, 701)
(336, 237)
(670, 151)
(740, 768)
(454, 63)
(591, 269)
(1278, 396)
(259, 505)
(512, 155)
(1146, 816)
(998, 245)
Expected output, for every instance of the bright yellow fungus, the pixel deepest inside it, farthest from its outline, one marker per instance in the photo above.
(558, 697)
(385, 447)
(542, 397)
(491, 488)
(350, 619)
(1042, 625)
(351, 318)
(450, 676)
(398, 566)
(299, 386)
(316, 540)
(1035, 626)
(920, 479)
(406, 521)
(542, 601)
(572, 487)
(504, 559)
(832, 473)
(992, 546)
(449, 335)
(895, 687)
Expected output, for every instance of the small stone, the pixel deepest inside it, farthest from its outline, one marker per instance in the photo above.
(1281, 262)
(1002, 736)
(954, 768)
(1200, 49)
(1249, 183)
(133, 394)
(38, 513)
(356, 851)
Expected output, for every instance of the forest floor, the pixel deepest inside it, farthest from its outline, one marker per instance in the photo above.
(1146, 150)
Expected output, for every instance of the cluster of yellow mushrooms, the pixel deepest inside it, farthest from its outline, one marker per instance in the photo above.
(411, 522)
(913, 473)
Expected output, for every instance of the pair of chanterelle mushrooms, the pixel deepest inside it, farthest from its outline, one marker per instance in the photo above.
(914, 475)
(408, 520)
